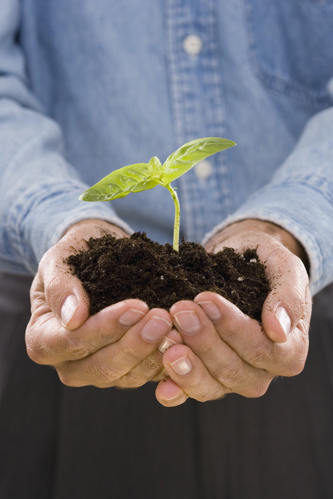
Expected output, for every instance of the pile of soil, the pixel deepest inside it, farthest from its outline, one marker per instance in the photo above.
(112, 270)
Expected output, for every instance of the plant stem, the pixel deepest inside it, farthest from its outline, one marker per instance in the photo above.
(176, 223)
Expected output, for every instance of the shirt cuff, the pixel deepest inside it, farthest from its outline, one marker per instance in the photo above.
(40, 219)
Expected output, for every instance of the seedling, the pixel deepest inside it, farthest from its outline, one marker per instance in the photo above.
(143, 176)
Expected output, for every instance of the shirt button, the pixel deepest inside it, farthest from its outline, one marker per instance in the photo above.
(203, 170)
(192, 44)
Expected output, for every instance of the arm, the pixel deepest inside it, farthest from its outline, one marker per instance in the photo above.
(39, 190)
(41, 220)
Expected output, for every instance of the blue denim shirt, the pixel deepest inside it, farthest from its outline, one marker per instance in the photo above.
(88, 87)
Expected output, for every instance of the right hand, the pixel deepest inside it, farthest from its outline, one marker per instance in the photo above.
(116, 347)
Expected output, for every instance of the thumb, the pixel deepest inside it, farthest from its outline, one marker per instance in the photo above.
(74, 309)
(277, 322)
(63, 292)
(289, 302)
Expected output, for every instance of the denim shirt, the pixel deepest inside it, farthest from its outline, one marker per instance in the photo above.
(88, 87)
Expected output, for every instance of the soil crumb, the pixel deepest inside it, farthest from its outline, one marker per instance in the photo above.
(112, 270)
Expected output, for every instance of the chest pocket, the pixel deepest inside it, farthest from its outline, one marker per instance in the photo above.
(291, 47)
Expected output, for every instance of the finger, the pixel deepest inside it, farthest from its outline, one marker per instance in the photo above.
(168, 341)
(289, 301)
(188, 372)
(169, 394)
(48, 342)
(150, 368)
(249, 340)
(57, 288)
(106, 366)
(221, 361)
(61, 293)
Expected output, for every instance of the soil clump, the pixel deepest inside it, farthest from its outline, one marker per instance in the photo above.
(112, 270)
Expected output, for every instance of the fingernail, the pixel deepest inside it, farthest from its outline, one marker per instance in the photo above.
(284, 320)
(188, 321)
(155, 329)
(178, 395)
(173, 392)
(165, 344)
(131, 317)
(181, 366)
(68, 309)
(211, 310)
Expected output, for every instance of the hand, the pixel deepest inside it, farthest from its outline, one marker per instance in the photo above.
(116, 347)
(224, 350)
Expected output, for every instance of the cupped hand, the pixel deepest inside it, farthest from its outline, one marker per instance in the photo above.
(224, 350)
(116, 347)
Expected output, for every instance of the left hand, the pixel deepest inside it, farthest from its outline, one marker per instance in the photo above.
(226, 351)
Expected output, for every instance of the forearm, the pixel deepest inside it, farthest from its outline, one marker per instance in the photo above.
(39, 195)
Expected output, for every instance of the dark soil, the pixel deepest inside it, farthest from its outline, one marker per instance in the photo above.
(112, 270)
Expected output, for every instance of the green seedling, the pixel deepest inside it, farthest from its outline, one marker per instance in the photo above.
(143, 176)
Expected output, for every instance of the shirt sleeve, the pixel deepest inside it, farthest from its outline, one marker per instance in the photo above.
(299, 198)
(39, 190)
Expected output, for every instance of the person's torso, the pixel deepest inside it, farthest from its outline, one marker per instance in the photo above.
(130, 80)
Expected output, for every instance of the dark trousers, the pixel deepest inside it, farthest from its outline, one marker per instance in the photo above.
(82, 443)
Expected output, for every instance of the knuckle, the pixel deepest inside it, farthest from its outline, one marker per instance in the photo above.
(101, 372)
(130, 351)
(35, 351)
(295, 366)
(298, 367)
(67, 379)
(231, 374)
(36, 355)
(73, 348)
(207, 350)
(294, 359)
(146, 371)
(53, 289)
(260, 355)
(297, 302)
(257, 391)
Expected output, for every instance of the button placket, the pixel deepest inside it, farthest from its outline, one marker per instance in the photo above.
(198, 109)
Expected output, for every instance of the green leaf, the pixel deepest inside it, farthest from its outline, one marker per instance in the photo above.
(188, 155)
(120, 183)
(155, 169)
